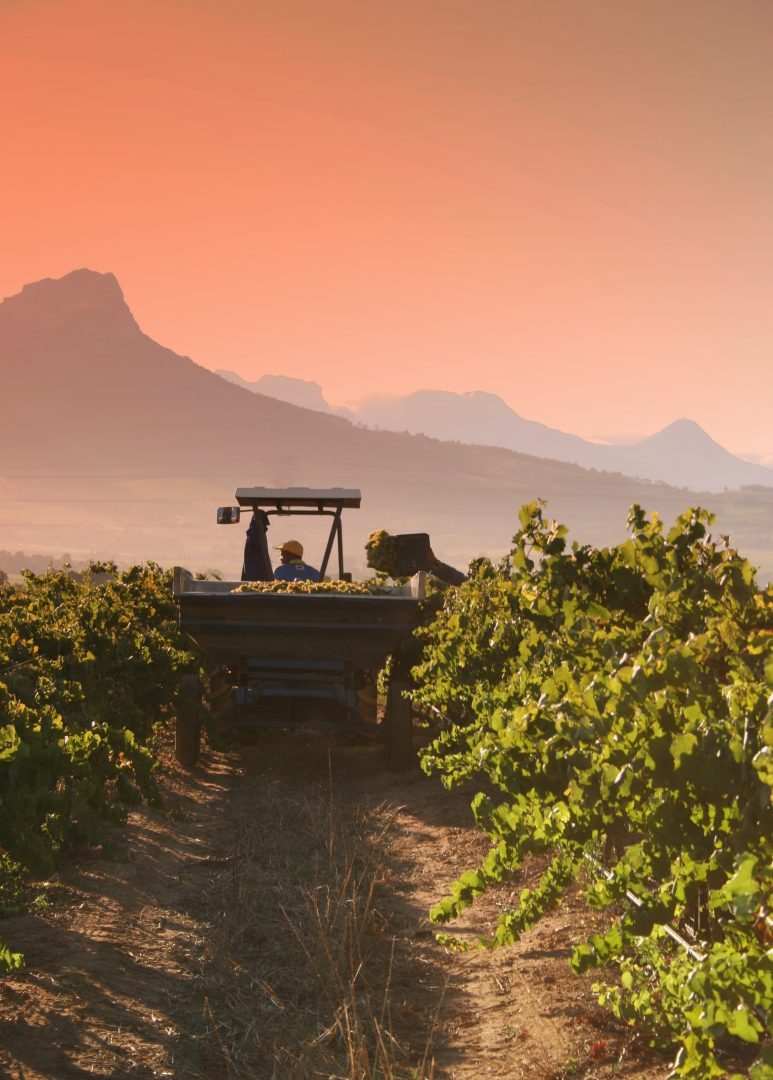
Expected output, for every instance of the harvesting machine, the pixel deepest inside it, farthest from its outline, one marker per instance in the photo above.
(284, 660)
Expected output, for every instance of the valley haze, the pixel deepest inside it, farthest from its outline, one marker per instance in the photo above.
(115, 446)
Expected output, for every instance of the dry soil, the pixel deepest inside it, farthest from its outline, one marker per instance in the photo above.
(118, 978)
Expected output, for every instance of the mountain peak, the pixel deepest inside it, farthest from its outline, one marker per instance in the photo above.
(58, 301)
(680, 432)
(683, 424)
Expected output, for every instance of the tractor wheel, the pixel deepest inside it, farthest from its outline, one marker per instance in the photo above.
(187, 732)
(399, 726)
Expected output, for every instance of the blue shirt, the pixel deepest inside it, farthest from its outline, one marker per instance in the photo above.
(297, 570)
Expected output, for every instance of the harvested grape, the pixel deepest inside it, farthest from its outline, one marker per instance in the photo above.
(382, 554)
(348, 588)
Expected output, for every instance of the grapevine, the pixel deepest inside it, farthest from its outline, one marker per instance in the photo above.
(619, 699)
(87, 668)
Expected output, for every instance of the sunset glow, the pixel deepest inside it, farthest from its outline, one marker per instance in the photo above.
(564, 204)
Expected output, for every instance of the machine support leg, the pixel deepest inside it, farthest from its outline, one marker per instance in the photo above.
(400, 726)
(187, 735)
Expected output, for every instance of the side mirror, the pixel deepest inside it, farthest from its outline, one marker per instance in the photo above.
(228, 515)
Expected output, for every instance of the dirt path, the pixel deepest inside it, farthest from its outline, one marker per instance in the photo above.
(518, 1012)
(121, 981)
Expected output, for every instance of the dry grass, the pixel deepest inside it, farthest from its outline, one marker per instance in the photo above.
(303, 979)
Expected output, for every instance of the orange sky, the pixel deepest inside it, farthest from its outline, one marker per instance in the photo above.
(567, 203)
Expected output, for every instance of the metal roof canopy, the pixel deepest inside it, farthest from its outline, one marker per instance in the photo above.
(284, 498)
(328, 502)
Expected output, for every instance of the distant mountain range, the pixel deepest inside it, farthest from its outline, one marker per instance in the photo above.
(308, 395)
(682, 454)
(115, 446)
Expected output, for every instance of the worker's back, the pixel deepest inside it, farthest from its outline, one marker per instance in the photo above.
(297, 570)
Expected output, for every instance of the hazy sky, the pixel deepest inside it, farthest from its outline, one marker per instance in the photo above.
(567, 203)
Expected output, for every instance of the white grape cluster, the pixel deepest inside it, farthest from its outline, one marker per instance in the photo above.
(350, 588)
(381, 553)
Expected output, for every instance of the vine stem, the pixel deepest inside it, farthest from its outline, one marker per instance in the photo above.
(638, 902)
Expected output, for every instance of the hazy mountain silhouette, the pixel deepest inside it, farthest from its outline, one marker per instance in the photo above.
(113, 444)
(284, 388)
(687, 454)
(682, 454)
(476, 417)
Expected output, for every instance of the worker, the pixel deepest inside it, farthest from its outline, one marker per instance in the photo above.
(292, 566)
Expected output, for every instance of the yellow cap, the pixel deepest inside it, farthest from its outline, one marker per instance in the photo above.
(292, 547)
